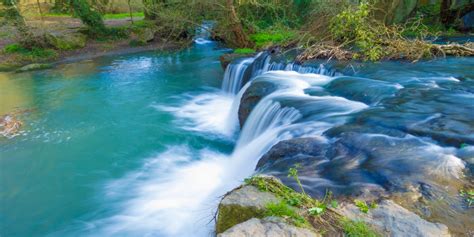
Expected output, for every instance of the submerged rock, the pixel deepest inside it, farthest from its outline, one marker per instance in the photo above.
(394, 220)
(34, 66)
(240, 205)
(267, 227)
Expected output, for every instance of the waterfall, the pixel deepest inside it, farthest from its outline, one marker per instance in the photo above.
(203, 33)
(245, 70)
(234, 74)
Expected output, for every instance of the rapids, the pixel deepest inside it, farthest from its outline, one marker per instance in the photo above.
(146, 144)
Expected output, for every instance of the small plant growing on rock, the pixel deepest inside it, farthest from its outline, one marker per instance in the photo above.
(468, 195)
(357, 229)
(363, 206)
(281, 209)
(293, 172)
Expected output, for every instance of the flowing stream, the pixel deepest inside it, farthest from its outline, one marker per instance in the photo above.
(146, 144)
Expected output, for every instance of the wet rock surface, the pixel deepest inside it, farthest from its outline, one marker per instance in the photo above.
(252, 96)
(394, 220)
(267, 227)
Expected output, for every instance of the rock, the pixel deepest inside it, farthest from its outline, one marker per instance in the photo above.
(290, 149)
(240, 205)
(225, 59)
(66, 41)
(142, 36)
(394, 220)
(267, 227)
(252, 96)
(34, 66)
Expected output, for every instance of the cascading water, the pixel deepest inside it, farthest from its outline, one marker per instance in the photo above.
(389, 128)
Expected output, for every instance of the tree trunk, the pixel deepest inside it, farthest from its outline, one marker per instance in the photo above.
(241, 38)
(13, 15)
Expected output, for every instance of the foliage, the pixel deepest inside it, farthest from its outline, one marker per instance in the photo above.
(357, 229)
(14, 48)
(325, 218)
(372, 40)
(356, 26)
(22, 55)
(293, 172)
(244, 51)
(363, 206)
(282, 209)
(91, 18)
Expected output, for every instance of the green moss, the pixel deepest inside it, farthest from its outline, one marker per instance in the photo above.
(357, 229)
(230, 215)
(67, 41)
(282, 209)
(244, 51)
(123, 15)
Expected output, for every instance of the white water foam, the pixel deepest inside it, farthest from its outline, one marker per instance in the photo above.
(207, 113)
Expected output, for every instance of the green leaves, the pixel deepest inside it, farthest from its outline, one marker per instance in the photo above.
(468, 196)
(316, 211)
(363, 206)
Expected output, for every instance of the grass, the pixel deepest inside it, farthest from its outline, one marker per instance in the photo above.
(108, 16)
(244, 51)
(321, 214)
(282, 209)
(357, 229)
(272, 36)
(31, 53)
(122, 15)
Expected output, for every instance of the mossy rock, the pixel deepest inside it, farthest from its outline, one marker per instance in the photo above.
(242, 204)
(144, 35)
(67, 41)
(34, 66)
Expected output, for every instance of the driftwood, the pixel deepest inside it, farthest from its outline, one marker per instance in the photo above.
(328, 51)
(456, 49)
(324, 51)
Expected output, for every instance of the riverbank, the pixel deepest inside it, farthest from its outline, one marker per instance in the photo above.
(69, 43)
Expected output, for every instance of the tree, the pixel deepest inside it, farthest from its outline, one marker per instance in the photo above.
(92, 19)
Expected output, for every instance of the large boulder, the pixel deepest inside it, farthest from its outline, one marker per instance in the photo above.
(394, 220)
(66, 41)
(240, 205)
(267, 227)
(252, 96)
